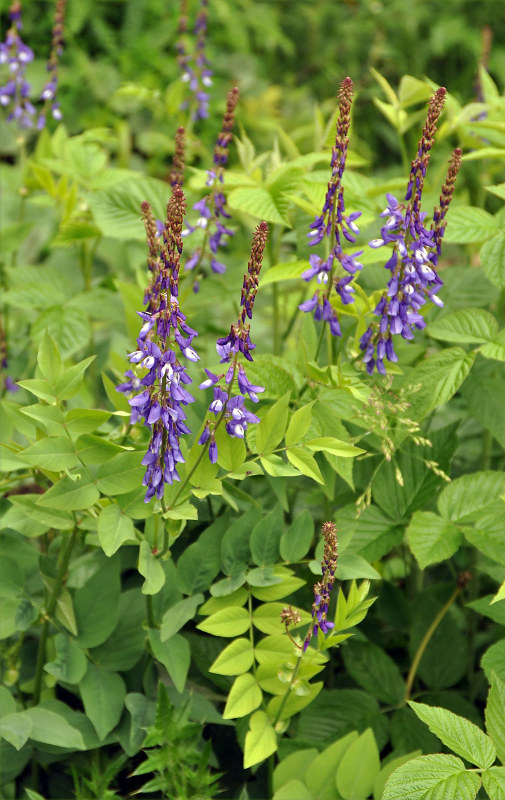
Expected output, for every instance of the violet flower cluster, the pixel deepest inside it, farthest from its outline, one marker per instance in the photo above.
(414, 278)
(337, 270)
(212, 208)
(197, 74)
(323, 588)
(15, 94)
(227, 406)
(48, 93)
(160, 394)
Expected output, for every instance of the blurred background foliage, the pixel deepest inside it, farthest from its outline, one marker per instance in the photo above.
(286, 55)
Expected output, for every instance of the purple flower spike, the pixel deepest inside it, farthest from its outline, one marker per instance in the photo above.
(225, 406)
(336, 272)
(15, 94)
(414, 278)
(48, 94)
(211, 209)
(322, 589)
(162, 394)
(195, 69)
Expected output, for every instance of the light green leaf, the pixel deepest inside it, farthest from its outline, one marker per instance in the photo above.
(469, 224)
(231, 451)
(328, 444)
(431, 538)
(69, 664)
(50, 727)
(493, 660)
(55, 453)
(494, 782)
(288, 271)
(49, 359)
(458, 734)
(121, 474)
(271, 429)
(96, 605)
(103, 695)
(260, 740)
(466, 326)
(71, 495)
(439, 377)
(495, 718)
(267, 618)
(299, 424)
(293, 790)
(465, 498)
(174, 654)
(150, 568)
(296, 540)
(496, 348)
(433, 777)
(275, 466)
(245, 695)
(71, 380)
(177, 615)
(117, 211)
(68, 326)
(15, 728)
(492, 258)
(500, 594)
(320, 774)
(388, 769)
(359, 768)
(114, 529)
(307, 464)
(85, 420)
(265, 538)
(235, 659)
(352, 565)
(228, 622)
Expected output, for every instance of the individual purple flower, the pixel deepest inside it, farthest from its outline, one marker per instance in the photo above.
(322, 589)
(211, 209)
(414, 257)
(226, 406)
(48, 94)
(195, 71)
(159, 387)
(335, 272)
(15, 93)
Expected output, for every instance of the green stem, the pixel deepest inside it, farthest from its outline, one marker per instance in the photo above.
(63, 560)
(151, 622)
(425, 641)
(288, 692)
(321, 337)
(275, 298)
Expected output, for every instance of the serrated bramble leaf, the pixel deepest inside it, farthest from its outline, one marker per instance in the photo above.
(431, 538)
(469, 224)
(495, 720)
(457, 733)
(466, 326)
(433, 777)
(492, 257)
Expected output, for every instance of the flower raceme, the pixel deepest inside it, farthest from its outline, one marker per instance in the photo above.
(159, 394)
(212, 208)
(48, 93)
(225, 406)
(335, 272)
(15, 94)
(414, 258)
(197, 75)
(323, 588)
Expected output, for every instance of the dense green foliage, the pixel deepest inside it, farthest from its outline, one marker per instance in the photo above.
(142, 647)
